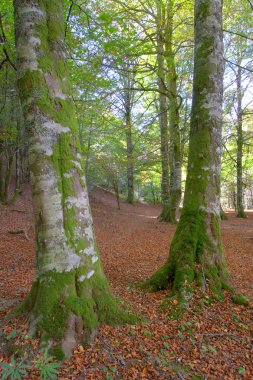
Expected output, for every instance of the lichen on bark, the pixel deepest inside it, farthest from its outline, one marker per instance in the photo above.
(196, 256)
(70, 295)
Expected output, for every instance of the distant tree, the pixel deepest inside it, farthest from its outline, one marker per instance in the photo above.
(70, 295)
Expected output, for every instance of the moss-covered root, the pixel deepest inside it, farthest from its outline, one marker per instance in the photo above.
(193, 260)
(65, 312)
(241, 214)
(240, 299)
(168, 215)
(163, 215)
(159, 280)
(223, 215)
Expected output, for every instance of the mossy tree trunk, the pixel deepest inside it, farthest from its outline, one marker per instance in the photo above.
(239, 182)
(127, 79)
(223, 215)
(7, 155)
(196, 250)
(128, 105)
(22, 174)
(171, 213)
(70, 295)
(163, 108)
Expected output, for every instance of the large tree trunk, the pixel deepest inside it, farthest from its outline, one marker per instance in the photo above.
(239, 184)
(163, 111)
(70, 295)
(196, 250)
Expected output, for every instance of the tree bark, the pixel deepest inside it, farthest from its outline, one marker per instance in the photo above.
(129, 141)
(196, 251)
(171, 214)
(163, 110)
(70, 295)
(239, 184)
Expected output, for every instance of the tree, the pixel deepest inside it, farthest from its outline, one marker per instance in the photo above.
(70, 295)
(128, 81)
(196, 250)
(237, 102)
(170, 212)
(13, 147)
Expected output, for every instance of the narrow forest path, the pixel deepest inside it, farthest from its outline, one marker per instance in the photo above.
(213, 343)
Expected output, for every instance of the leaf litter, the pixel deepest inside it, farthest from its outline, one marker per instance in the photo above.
(212, 340)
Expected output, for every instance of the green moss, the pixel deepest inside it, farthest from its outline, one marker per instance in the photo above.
(204, 10)
(109, 310)
(50, 308)
(85, 308)
(159, 280)
(189, 255)
(199, 277)
(57, 353)
(240, 299)
(241, 214)
(28, 303)
(223, 215)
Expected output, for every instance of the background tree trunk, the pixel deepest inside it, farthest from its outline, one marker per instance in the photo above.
(239, 184)
(129, 141)
(174, 133)
(196, 250)
(163, 111)
(70, 295)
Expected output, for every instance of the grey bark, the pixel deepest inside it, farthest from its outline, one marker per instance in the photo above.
(196, 250)
(70, 295)
(239, 156)
(163, 109)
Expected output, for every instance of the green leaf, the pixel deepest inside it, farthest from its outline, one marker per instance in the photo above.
(241, 371)
(212, 349)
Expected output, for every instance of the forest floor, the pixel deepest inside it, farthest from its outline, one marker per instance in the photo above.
(211, 341)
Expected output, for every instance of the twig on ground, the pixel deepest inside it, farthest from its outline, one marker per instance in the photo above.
(20, 232)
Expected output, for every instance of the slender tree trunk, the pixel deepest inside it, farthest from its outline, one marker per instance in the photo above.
(70, 295)
(1, 173)
(22, 149)
(87, 161)
(130, 164)
(8, 177)
(196, 250)
(128, 80)
(223, 215)
(172, 211)
(115, 186)
(239, 184)
(163, 112)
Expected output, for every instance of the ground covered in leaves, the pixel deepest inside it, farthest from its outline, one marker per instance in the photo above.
(212, 340)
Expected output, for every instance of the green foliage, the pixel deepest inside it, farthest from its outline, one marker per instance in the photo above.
(240, 299)
(15, 370)
(47, 367)
(241, 371)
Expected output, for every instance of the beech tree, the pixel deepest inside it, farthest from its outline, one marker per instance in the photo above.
(170, 212)
(196, 250)
(70, 295)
